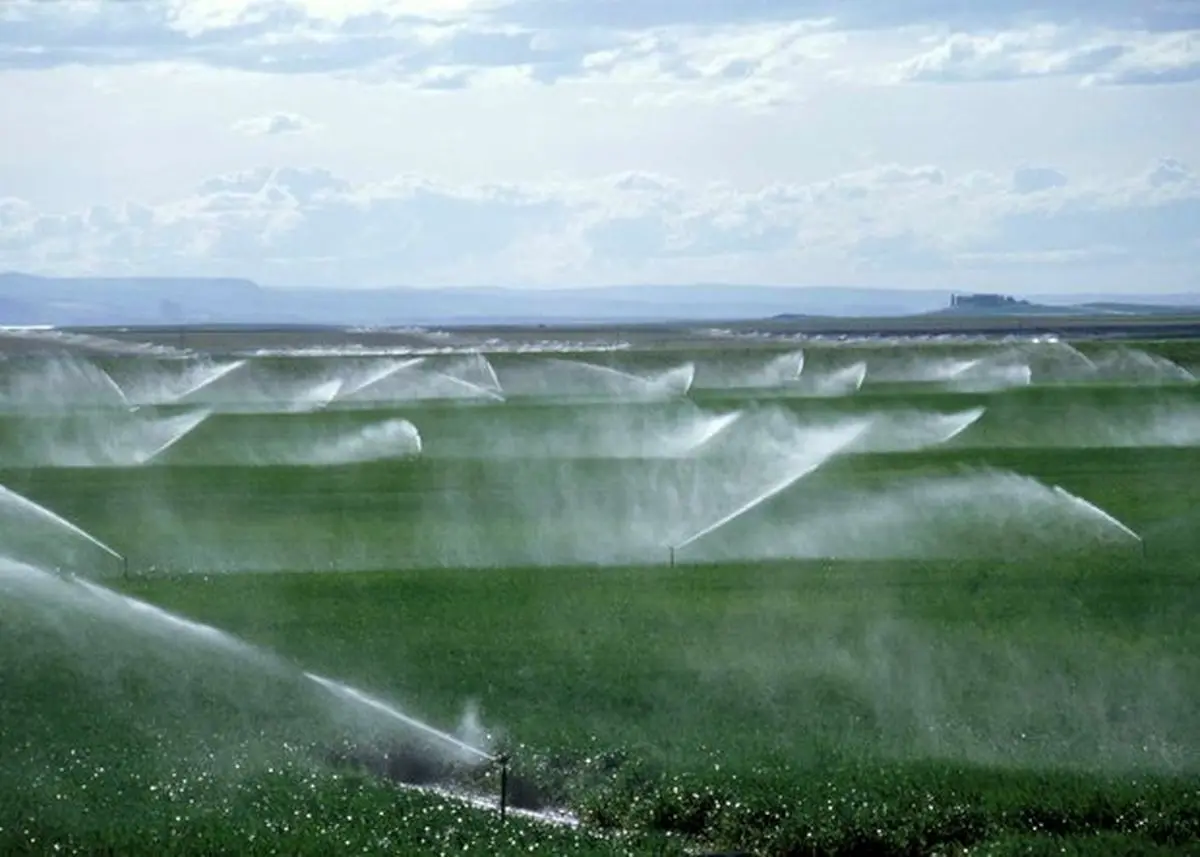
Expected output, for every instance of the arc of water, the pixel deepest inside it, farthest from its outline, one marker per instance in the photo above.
(786, 368)
(344, 690)
(230, 642)
(208, 381)
(491, 372)
(964, 367)
(777, 487)
(677, 380)
(605, 371)
(1093, 509)
(475, 388)
(368, 443)
(144, 607)
(1075, 352)
(773, 490)
(717, 426)
(488, 369)
(379, 375)
(800, 358)
(22, 502)
(116, 388)
(189, 426)
(843, 381)
(316, 397)
(963, 421)
(858, 374)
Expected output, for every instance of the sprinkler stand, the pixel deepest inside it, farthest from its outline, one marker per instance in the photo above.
(671, 551)
(503, 760)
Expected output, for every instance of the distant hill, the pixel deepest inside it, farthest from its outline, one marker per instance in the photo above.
(119, 301)
(1023, 308)
(27, 299)
(1110, 308)
(990, 305)
(17, 311)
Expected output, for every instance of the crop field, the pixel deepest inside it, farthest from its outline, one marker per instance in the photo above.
(764, 596)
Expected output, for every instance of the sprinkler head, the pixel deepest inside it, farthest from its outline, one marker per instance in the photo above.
(502, 758)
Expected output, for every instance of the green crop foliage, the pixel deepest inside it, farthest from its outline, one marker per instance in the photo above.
(914, 649)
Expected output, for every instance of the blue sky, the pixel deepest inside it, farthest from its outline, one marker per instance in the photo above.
(1019, 145)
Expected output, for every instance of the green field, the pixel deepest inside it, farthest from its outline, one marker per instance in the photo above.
(893, 635)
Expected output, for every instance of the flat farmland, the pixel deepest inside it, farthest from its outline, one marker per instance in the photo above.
(896, 598)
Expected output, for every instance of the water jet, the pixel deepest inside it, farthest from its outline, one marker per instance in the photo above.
(1093, 509)
(835, 445)
(20, 502)
(347, 692)
(59, 590)
(377, 374)
(977, 513)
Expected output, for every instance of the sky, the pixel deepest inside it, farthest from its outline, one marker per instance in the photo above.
(1024, 146)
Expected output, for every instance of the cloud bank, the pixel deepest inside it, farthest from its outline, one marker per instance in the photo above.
(1004, 143)
(912, 223)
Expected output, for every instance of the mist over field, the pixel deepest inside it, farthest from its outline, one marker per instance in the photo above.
(608, 565)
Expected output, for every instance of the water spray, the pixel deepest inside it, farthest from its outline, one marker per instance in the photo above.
(10, 497)
(778, 487)
(162, 620)
(209, 379)
(344, 690)
(1095, 510)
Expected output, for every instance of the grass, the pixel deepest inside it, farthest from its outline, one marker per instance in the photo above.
(627, 650)
(699, 703)
(1034, 698)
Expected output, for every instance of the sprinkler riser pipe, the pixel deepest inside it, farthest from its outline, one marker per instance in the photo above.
(503, 788)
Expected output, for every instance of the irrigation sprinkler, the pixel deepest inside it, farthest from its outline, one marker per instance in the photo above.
(671, 552)
(503, 759)
(124, 564)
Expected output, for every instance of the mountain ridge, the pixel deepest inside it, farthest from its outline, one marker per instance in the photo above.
(27, 299)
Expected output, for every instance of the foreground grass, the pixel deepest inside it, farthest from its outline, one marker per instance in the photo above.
(822, 708)
(795, 654)
(886, 811)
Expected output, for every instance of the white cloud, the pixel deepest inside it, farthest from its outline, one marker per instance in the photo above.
(1157, 15)
(543, 141)
(274, 124)
(892, 222)
(1172, 58)
(266, 36)
(1098, 57)
(752, 65)
(1037, 179)
(755, 56)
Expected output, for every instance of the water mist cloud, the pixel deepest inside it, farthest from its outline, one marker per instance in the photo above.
(972, 514)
